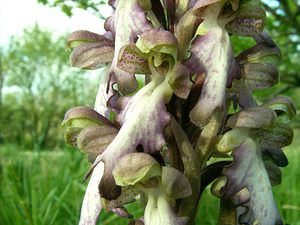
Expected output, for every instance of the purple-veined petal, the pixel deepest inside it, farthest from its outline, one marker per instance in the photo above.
(248, 20)
(90, 50)
(91, 205)
(106, 97)
(158, 41)
(83, 116)
(144, 120)
(109, 26)
(78, 118)
(132, 60)
(201, 5)
(259, 67)
(95, 139)
(79, 37)
(211, 52)
(129, 21)
(92, 55)
(248, 186)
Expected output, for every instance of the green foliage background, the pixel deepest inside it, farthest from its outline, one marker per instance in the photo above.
(40, 178)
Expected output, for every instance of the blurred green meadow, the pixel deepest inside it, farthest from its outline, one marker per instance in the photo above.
(45, 188)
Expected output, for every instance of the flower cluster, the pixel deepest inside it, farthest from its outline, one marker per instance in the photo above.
(165, 142)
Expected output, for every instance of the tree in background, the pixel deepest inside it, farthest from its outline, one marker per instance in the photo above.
(284, 26)
(67, 6)
(38, 86)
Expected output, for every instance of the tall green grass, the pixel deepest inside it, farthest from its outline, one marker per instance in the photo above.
(45, 188)
(40, 188)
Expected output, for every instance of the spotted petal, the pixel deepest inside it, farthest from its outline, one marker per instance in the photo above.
(249, 19)
(249, 186)
(132, 60)
(129, 21)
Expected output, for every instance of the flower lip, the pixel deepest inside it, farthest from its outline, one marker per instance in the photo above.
(158, 40)
(202, 4)
(80, 112)
(83, 36)
(134, 168)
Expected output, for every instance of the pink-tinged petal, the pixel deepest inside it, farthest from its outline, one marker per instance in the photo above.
(200, 6)
(92, 55)
(249, 187)
(90, 50)
(144, 120)
(95, 139)
(158, 41)
(106, 97)
(83, 36)
(88, 131)
(132, 60)
(211, 52)
(84, 116)
(91, 205)
(129, 21)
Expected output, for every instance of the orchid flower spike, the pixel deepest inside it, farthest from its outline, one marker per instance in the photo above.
(173, 96)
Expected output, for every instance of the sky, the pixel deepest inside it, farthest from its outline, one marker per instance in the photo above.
(15, 15)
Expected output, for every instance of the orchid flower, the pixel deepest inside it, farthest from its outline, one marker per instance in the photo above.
(195, 104)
